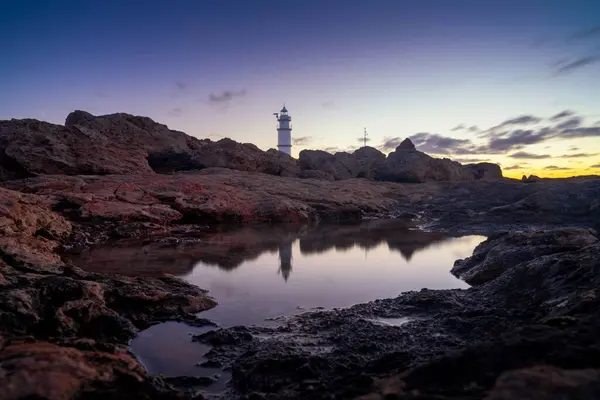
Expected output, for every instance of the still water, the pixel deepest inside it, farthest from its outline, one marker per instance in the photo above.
(257, 273)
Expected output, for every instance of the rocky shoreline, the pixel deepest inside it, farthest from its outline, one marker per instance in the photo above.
(526, 329)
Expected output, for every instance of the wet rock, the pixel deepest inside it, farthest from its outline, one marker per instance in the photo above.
(502, 252)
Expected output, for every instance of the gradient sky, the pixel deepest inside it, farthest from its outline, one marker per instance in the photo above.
(402, 68)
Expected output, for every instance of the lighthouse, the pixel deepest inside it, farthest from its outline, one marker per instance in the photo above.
(284, 131)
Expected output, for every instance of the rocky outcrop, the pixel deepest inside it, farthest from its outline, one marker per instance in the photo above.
(502, 252)
(369, 161)
(406, 164)
(339, 165)
(484, 171)
(126, 144)
(122, 144)
(63, 331)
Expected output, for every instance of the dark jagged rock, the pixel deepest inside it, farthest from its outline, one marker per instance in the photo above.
(406, 144)
(409, 165)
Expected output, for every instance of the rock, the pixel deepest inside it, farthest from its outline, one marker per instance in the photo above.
(485, 171)
(207, 196)
(316, 174)
(122, 144)
(406, 144)
(339, 165)
(531, 179)
(369, 160)
(500, 252)
(547, 383)
(408, 165)
(63, 331)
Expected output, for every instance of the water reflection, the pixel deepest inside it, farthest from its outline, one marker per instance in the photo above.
(230, 249)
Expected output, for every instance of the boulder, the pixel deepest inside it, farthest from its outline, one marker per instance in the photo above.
(340, 165)
(487, 171)
(369, 160)
(406, 164)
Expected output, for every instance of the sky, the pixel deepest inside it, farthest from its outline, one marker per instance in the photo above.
(511, 82)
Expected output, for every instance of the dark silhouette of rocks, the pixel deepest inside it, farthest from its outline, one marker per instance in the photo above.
(126, 144)
(406, 144)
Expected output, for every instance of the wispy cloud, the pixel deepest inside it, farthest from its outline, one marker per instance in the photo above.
(525, 155)
(175, 112)
(226, 96)
(438, 144)
(581, 132)
(579, 155)
(561, 115)
(302, 140)
(470, 160)
(576, 64)
(521, 120)
(585, 33)
(570, 123)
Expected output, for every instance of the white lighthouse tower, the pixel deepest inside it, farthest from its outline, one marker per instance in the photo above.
(284, 131)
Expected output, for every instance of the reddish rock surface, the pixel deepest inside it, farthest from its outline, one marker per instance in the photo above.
(75, 324)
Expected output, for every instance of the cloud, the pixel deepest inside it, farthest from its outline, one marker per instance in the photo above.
(574, 65)
(570, 123)
(556, 168)
(181, 85)
(561, 115)
(521, 120)
(437, 144)
(226, 96)
(525, 155)
(581, 132)
(585, 33)
(390, 143)
(470, 160)
(513, 167)
(518, 139)
(175, 112)
(458, 127)
(302, 140)
(579, 155)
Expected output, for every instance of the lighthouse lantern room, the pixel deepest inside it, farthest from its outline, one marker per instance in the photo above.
(284, 131)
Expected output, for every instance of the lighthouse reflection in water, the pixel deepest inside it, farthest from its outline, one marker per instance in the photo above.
(328, 267)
